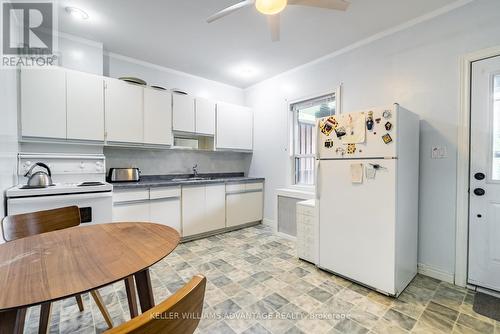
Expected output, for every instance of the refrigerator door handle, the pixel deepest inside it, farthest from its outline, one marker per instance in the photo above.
(318, 180)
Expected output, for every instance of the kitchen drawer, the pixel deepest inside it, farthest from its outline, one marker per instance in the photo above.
(157, 193)
(235, 187)
(130, 195)
(254, 186)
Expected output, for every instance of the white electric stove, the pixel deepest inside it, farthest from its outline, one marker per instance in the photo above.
(78, 180)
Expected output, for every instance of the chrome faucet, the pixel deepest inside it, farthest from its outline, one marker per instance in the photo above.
(195, 170)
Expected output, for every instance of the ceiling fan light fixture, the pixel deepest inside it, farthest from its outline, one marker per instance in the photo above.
(270, 7)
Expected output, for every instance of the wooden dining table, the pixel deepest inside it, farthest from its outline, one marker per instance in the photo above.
(52, 266)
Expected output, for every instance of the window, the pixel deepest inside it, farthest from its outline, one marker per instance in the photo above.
(305, 114)
(495, 175)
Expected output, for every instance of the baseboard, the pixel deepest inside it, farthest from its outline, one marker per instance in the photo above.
(436, 273)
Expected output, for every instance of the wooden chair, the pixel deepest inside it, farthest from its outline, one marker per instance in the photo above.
(179, 314)
(24, 225)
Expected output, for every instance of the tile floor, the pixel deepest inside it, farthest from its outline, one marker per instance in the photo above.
(253, 273)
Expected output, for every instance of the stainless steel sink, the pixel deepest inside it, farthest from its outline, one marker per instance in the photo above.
(190, 179)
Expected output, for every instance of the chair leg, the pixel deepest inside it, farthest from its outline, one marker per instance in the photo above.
(45, 313)
(79, 301)
(98, 300)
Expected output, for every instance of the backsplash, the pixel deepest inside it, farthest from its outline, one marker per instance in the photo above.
(161, 162)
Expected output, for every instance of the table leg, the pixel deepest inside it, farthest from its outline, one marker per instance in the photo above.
(131, 296)
(45, 315)
(145, 290)
(12, 321)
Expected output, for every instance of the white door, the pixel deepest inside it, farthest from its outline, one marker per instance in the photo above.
(43, 103)
(85, 106)
(124, 112)
(234, 127)
(357, 222)
(166, 211)
(183, 118)
(205, 117)
(193, 210)
(484, 219)
(157, 117)
(215, 207)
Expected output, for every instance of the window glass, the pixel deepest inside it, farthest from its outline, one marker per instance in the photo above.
(305, 114)
(495, 175)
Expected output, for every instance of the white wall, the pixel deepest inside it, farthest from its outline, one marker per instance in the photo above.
(8, 133)
(80, 54)
(116, 66)
(417, 67)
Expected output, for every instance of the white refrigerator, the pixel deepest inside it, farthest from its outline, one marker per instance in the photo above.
(367, 193)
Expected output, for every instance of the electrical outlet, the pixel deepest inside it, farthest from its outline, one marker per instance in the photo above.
(438, 152)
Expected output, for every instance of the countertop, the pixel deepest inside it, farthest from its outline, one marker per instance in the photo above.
(155, 181)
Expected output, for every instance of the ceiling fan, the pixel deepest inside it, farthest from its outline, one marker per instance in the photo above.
(272, 9)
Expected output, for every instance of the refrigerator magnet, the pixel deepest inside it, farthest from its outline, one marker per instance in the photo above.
(388, 126)
(387, 114)
(328, 143)
(340, 131)
(369, 121)
(333, 121)
(351, 148)
(340, 151)
(387, 138)
(377, 120)
(327, 129)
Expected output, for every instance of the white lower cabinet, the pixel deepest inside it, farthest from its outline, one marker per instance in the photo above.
(191, 210)
(244, 204)
(203, 209)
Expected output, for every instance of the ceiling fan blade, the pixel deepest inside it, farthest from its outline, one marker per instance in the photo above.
(274, 24)
(327, 4)
(230, 10)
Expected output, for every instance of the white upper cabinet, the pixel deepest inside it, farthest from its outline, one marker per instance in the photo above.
(183, 110)
(85, 106)
(124, 112)
(205, 117)
(157, 117)
(43, 103)
(234, 127)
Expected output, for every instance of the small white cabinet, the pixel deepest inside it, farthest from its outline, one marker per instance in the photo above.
(203, 209)
(157, 117)
(307, 225)
(156, 205)
(124, 112)
(205, 117)
(183, 113)
(244, 203)
(43, 103)
(85, 106)
(234, 127)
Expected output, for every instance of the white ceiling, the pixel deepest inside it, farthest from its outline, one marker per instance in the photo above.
(174, 33)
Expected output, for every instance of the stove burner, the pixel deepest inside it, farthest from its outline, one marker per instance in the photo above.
(89, 184)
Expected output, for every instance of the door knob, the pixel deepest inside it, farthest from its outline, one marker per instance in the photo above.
(479, 191)
(479, 176)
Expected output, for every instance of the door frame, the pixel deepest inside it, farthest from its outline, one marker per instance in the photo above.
(463, 160)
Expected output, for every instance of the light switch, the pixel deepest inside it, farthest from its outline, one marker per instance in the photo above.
(438, 152)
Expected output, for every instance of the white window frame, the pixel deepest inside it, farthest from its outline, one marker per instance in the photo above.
(292, 124)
